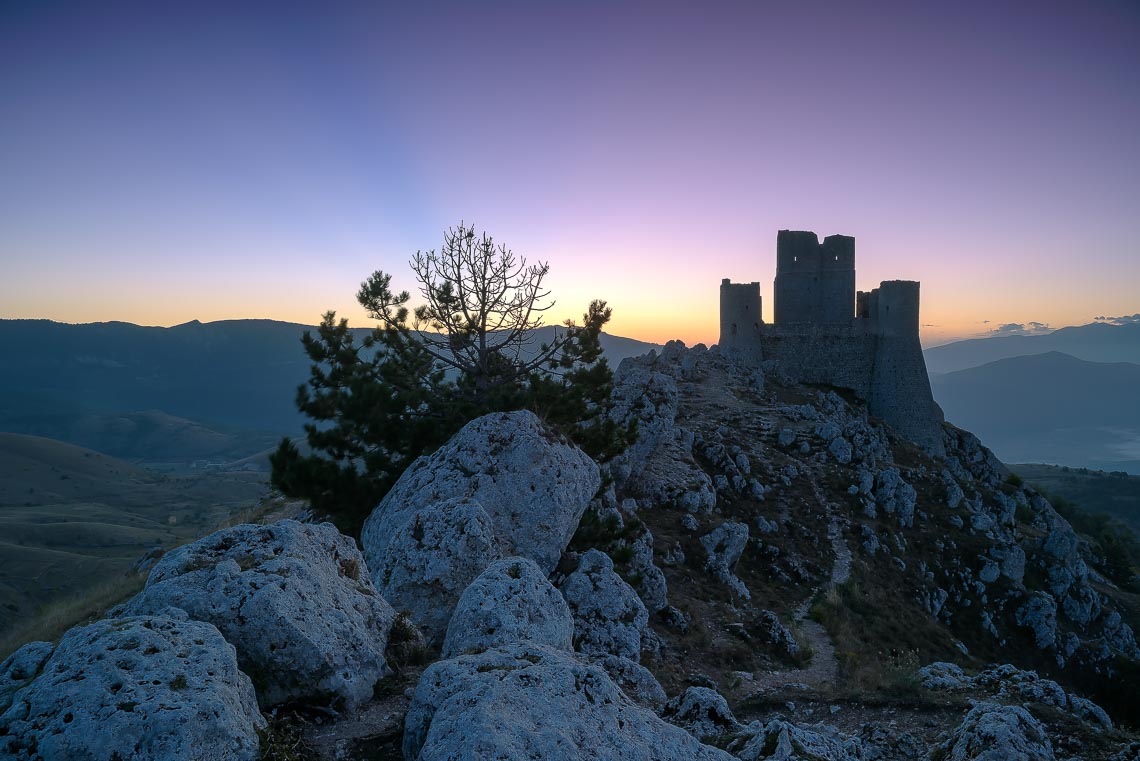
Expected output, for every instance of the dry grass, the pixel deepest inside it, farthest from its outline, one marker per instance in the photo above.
(57, 617)
(92, 603)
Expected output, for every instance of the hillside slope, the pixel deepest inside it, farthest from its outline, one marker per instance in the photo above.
(71, 518)
(1115, 494)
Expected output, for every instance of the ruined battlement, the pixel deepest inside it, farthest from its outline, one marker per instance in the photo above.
(826, 332)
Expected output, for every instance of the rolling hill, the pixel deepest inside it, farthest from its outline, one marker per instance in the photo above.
(1051, 408)
(1095, 342)
(71, 518)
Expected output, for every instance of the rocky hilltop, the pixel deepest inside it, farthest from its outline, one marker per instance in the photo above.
(768, 573)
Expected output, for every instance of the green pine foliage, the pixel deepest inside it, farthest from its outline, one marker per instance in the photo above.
(419, 376)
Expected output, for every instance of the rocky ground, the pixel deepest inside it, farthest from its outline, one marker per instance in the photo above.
(767, 573)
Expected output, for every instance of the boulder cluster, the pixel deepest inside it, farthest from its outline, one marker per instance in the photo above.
(556, 616)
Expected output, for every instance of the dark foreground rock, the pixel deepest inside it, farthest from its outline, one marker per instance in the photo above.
(294, 599)
(136, 689)
(529, 701)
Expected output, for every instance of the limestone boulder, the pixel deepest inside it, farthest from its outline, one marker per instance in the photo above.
(702, 712)
(609, 617)
(432, 557)
(895, 496)
(779, 740)
(651, 587)
(294, 599)
(528, 701)
(533, 484)
(1038, 614)
(136, 689)
(724, 545)
(21, 667)
(511, 601)
(995, 732)
(636, 681)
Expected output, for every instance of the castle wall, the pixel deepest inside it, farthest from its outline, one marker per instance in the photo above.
(840, 356)
(824, 333)
(900, 391)
(900, 385)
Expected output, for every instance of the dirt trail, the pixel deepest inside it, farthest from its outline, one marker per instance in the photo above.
(823, 668)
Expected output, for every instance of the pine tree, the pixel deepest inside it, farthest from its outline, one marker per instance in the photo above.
(419, 376)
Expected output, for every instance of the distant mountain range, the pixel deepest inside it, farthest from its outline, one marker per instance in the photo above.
(1095, 342)
(1049, 407)
(198, 391)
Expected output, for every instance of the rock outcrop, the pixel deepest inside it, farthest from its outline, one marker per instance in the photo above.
(136, 689)
(609, 617)
(529, 701)
(432, 556)
(531, 485)
(994, 732)
(21, 667)
(295, 601)
(511, 601)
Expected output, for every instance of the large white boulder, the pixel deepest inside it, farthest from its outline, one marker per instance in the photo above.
(294, 599)
(432, 557)
(529, 701)
(533, 484)
(136, 689)
(609, 617)
(511, 601)
(994, 732)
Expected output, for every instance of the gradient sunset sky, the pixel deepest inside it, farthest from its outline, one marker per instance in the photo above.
(162, 162)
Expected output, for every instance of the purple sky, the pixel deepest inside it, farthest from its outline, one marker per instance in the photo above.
(165, 162)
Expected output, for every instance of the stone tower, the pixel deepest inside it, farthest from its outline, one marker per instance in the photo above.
(740, 317)
(814, 282)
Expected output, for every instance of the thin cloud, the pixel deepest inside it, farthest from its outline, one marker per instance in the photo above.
(1031, 328)
(1128, 319)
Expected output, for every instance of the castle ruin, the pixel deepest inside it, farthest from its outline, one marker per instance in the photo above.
(825, 332)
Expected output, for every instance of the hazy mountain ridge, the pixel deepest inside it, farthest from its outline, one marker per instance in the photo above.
(1095, 342)
(1049, 407)
(221, 390)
